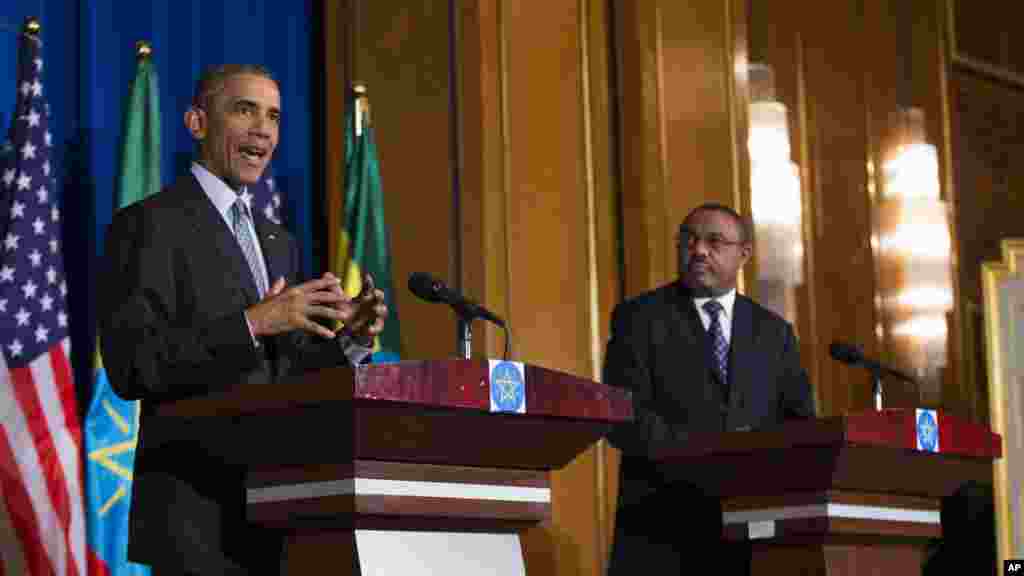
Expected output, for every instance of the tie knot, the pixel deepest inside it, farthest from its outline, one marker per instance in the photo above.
(713, 307)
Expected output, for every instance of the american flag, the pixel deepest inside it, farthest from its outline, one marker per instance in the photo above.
(6, 161)
(40, 447)
(265, 197)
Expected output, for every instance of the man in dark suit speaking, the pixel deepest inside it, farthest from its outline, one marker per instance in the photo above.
(698, 357)
(199, 292)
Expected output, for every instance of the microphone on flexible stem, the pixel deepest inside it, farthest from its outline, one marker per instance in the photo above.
(854, 356)
(431, 289)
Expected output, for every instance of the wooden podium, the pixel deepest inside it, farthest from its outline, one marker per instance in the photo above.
(850, 495)
(398, 449)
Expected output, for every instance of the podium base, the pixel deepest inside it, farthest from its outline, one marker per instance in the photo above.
(438, 553)
(387, 552)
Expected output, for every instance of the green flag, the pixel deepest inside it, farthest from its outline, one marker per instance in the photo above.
(140, 146)
(111, 423)
(363, 244)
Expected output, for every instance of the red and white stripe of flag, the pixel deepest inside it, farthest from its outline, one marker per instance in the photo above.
(40, 466)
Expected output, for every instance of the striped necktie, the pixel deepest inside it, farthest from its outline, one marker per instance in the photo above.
(719, 347)
(240, 226)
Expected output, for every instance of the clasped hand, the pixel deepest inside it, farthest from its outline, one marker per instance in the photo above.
(284, 309)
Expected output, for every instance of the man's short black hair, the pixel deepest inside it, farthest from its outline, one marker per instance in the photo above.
(212, 80)
(744, 223)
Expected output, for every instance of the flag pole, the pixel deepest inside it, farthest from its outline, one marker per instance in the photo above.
(143, 50)
(33, 27)
(362, 104)
(363, 246)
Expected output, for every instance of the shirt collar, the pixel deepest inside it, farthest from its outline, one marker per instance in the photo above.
(216, 190)
(727, 300)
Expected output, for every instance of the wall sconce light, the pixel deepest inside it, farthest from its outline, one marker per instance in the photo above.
(914, 251)
(776, 202)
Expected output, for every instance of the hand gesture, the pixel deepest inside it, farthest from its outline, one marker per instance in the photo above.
(285, 309)
(366, 312)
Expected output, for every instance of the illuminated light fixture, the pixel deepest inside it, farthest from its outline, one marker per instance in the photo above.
(914, 248)
(776, 203)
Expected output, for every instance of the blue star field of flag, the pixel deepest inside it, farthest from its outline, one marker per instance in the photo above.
(264, 197)
(33, 291)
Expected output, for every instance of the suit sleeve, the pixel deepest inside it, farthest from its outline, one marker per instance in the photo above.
(627, 365)
(147, 350)
(795, 390)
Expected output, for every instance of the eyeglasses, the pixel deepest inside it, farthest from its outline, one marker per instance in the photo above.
(717, 242)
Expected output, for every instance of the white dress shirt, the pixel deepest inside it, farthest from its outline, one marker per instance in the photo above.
(727, 300)
(223, 197)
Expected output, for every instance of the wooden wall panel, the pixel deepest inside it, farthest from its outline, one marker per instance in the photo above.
(776, 39)
(990, 177)
(904, 67)
(682, 124)
(987, 36)
(605, 257)
(641, 146)
(931, 62)
(888, 70)
(535, 175)
(820, 54)
(840, 205)
(841, 81)
(979, 34)
(986, 88)
(843, 69)
(549, 278)
(703, 55)
(482, 156)
(547, 202)
(402, 53)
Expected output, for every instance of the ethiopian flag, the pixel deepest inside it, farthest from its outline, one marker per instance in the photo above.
(112, 424)
(363, 244)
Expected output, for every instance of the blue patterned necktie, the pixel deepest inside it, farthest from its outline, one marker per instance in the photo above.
(239, 223)
(719, 347)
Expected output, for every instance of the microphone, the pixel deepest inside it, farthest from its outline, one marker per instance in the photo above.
(846, 353)
(431, 289)
(854, 356)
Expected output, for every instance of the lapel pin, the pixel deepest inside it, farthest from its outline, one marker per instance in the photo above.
(271, 236)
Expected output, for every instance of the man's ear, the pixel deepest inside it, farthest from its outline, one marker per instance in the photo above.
(195, 122)
(746, 251)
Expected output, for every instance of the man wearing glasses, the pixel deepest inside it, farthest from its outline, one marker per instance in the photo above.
(698, 357)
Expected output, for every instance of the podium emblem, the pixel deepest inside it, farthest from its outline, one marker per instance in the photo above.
(508, 387)
(927, 426)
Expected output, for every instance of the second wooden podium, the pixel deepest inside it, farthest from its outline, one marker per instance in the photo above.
(841, 496)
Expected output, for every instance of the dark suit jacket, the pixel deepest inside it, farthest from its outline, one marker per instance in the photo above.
(660, 351)
(172, 325)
